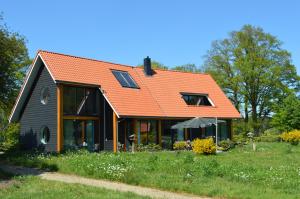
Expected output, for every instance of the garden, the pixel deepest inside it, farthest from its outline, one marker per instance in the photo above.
(272, 171)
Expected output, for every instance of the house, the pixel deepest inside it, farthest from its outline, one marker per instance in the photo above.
(68, 102)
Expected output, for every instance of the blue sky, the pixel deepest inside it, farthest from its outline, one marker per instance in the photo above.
(172, 32)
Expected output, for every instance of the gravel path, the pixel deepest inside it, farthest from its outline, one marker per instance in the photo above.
(54, 176)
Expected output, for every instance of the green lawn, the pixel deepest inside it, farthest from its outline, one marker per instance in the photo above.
(273, 171)
(34, 187)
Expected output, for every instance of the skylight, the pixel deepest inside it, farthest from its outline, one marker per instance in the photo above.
(124, 79)
(196, 99)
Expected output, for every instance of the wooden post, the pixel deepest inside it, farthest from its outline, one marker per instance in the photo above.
(59, 93)
(135, 130)
(185, 134)
(159, 133)
(115, 133)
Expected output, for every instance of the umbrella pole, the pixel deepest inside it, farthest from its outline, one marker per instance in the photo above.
(216, 132)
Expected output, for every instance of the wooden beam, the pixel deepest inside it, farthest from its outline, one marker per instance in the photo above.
(115, 133)
(159, 132)
(185, 134)
(229, 128)
(135, 131)
(59, 93)
(70, 117)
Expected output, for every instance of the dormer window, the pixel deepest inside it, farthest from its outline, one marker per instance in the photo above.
(196, 99)
(125, 79)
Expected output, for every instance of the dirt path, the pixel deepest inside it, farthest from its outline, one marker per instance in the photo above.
(54, 176)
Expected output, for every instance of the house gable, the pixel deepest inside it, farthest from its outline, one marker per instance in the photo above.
(35, 115)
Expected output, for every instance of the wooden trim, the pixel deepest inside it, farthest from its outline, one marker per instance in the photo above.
(80, 117)
(125, 134)
(185, 134)
(135, 130)
(59, 93)
(82, 130)
(229, 129)
(115, 133)
(159, 132)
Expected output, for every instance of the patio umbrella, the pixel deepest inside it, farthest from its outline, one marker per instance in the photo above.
(196, 122)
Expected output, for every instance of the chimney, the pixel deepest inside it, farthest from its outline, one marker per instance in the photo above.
(147, 66)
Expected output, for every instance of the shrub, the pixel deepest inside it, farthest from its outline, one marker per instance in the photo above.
(205, 146)
(148, 147)
(240, 139)
(226, 145)
(293, 137)
(182, 145)
(179, 145)
(9, 137)
(270, 135)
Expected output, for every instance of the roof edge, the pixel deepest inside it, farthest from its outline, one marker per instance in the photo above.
(25, 83)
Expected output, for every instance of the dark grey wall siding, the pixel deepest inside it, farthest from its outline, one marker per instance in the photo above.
(36, 114)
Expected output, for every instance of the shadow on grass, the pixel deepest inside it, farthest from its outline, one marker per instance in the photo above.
(25, 163)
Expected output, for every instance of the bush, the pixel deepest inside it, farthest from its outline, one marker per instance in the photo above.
(9, 137)
(182, 145)
(226, 145)
(240, 139)
(148, 147)
(270, 135)
(293, 137)
(205, 146)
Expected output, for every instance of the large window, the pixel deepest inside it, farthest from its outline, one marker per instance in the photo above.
(148, 132)
(124, 79)
(80, 101)
(79, 133)
(196, 99)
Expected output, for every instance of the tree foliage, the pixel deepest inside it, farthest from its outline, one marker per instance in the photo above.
(287, 115)
(156, 65)
(253, 70)
(187, 68)
(13, 59)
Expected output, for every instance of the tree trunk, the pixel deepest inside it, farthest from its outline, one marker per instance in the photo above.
(254, 119)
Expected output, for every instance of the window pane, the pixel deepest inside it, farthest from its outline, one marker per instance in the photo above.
(125, 79)
(120, 78)
(90, 104)
(80, 101)
(72, 134)
(130, 81)
(196, 100)
(69, 100)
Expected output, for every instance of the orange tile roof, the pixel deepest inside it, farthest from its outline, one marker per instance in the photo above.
(158, 96)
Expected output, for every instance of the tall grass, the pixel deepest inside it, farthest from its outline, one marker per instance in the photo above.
(273, 171)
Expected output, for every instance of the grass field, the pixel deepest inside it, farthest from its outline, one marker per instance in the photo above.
(33, 187)
(273, 171)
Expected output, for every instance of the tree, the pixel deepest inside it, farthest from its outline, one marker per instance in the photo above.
(287, 115)
(187, 68)
(13, 59)
(156, 65)
(253, 70)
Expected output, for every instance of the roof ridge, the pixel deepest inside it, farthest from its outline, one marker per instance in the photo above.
(79, 57)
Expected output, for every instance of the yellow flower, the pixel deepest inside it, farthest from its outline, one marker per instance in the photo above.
(206, 146)
(292, 136)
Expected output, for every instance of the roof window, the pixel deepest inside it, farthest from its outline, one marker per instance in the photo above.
(196, 99)
(125, 79)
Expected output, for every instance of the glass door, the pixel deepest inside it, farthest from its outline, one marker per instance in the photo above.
(89, 134)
